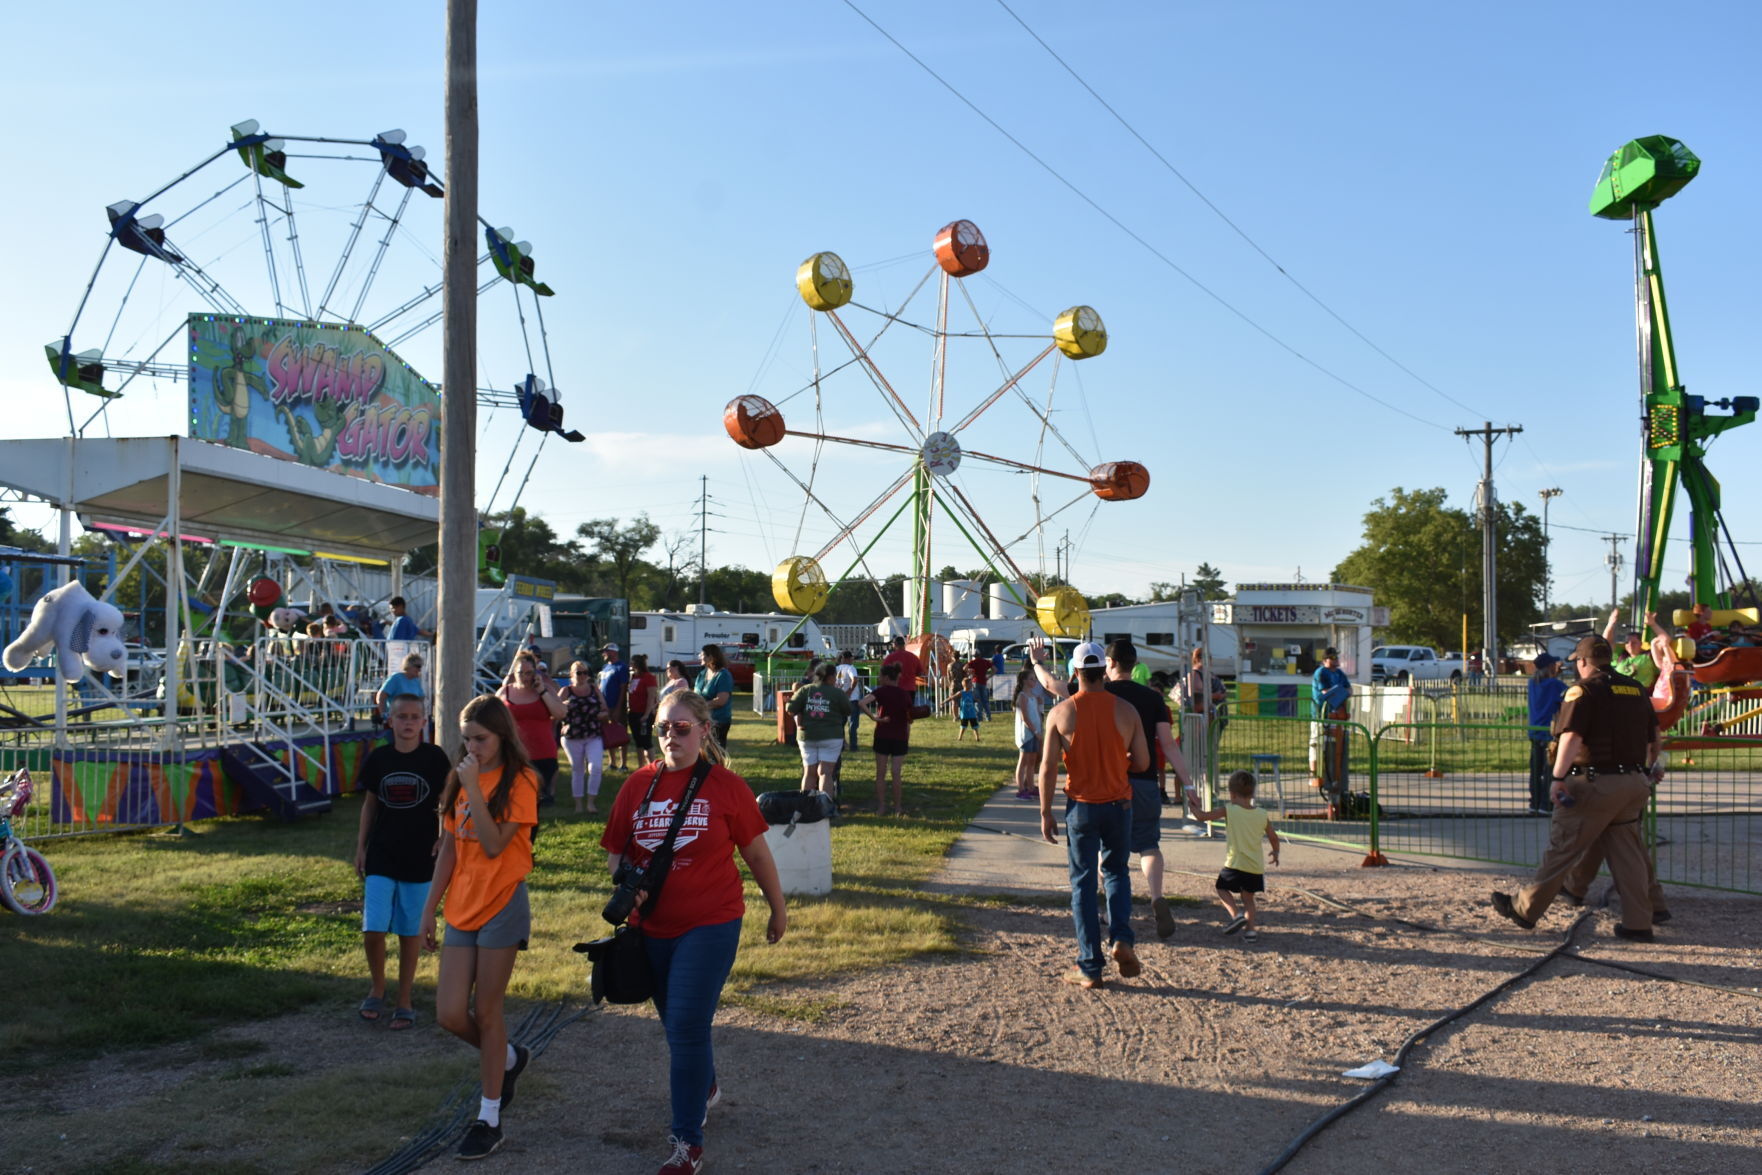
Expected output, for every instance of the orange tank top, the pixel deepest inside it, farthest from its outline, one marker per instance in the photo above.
(1096, 757)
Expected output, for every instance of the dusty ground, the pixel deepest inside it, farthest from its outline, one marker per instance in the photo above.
(1214, 1060)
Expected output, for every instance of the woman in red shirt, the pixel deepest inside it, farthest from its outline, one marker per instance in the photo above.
(642, 698)
(692, 927)
(531, 698)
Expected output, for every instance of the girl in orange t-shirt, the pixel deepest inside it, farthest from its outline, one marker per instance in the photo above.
(481, 872)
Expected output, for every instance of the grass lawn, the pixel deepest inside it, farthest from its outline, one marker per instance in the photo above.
(159, 938)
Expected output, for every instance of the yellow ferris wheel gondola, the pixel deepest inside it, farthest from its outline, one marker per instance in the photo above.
(1063, 612)
(799, 585)
(1079, 333)
(823, 281)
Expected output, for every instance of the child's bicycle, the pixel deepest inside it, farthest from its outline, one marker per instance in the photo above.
(27, 884)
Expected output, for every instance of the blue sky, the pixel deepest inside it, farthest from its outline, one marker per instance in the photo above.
(1423, 171)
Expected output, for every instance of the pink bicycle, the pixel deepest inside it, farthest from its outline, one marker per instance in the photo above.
(27, 884)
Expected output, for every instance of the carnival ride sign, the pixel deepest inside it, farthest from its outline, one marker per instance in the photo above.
(329, 396)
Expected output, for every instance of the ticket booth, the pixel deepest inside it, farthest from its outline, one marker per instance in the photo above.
(1281, 631)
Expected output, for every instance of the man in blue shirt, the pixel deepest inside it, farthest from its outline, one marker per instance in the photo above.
(1330, 689)
(1546, 691)
(403, 627)
(614, 682)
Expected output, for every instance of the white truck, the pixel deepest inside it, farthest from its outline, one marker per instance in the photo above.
(1406, 664)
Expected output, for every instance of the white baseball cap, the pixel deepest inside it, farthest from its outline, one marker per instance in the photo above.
(1088, 655)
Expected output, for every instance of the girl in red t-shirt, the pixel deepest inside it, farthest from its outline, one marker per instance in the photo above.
(481, 872)
(531, 697)
(643, 696)
(692, 930)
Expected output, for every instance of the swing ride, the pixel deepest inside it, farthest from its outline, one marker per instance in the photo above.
(283, 303)
(1677, 429)
(934, 444)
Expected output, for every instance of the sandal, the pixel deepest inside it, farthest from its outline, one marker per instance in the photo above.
(1251, 936)
(403, 1018)
(370, 1008)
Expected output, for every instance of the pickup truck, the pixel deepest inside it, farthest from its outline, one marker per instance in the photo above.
(1405, 664)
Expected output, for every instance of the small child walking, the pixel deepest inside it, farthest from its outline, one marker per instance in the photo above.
(970, 708)
(1244, 871)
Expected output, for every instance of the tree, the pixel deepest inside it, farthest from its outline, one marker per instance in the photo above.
(620, 546)
(24, 540)
(1210, 582)
(1422, 559)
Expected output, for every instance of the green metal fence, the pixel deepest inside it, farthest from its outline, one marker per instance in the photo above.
(1459, 788)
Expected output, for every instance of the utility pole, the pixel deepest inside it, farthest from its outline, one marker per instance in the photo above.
(1488, 508)
(1547, 551)
(457, 573)
(703, 537)
(1614, 560)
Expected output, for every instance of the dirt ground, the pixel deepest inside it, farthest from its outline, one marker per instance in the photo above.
(1213, 1060)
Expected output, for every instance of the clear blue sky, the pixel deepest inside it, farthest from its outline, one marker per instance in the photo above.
(1423, 170)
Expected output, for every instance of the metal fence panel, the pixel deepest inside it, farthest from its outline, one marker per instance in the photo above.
(1283, 753)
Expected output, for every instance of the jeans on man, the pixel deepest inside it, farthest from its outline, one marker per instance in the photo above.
(1101, 831)
(856, 717)
(689, 973)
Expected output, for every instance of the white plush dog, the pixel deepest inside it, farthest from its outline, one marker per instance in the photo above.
(79, 627)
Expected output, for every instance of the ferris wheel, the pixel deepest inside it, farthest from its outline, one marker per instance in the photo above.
(280, 295)
(934, 445)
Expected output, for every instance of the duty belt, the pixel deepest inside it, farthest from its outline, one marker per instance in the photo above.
(1591, 772)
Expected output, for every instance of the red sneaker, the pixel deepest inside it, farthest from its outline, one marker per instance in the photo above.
(685, 1159)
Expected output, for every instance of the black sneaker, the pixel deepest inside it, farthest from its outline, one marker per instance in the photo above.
(1633, 935)
(480, 1141)
(1165, 920)
(1660, 916)
(1502, 902)
(522, 1054)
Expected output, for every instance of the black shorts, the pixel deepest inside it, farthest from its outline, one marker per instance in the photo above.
(969, 724)
(892, 748)
(1239, 881)
(642, 733)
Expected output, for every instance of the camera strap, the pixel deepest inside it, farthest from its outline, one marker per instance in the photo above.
(663, 854)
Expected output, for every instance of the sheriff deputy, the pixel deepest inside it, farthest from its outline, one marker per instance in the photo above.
(1607, 739)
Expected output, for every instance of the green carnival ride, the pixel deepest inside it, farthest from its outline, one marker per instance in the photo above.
(1676, 426)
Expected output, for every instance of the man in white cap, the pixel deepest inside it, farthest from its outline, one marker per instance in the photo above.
(1100, 741)
(614, 684)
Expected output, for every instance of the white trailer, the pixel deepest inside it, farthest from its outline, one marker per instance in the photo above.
(743, 636)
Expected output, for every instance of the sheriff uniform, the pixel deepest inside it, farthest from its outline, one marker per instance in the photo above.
(1600, 799)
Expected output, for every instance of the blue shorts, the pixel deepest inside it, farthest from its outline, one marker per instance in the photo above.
(1146, 815)
(1028, 742)
(393, 907)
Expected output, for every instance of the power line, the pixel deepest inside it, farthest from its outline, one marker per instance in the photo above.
(1234, 227)
(1146, 245)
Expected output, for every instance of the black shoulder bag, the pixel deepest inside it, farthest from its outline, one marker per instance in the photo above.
(621, 970)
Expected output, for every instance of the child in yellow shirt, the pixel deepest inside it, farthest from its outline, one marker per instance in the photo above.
(1244, 871)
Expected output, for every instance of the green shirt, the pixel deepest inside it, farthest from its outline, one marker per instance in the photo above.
(820, 711)
(1244, 829)
(1640, 667)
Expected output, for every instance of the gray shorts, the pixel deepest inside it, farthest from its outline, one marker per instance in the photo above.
(511, 926)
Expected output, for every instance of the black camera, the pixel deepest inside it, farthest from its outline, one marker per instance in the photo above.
(627, 886)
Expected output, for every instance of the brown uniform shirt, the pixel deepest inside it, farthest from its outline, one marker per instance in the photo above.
(1613, 714)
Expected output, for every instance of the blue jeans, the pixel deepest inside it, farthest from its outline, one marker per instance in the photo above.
(689, 973)
(1104, 831)
(856, 717)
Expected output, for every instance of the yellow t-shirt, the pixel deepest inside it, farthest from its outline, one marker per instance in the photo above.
(1244, 832)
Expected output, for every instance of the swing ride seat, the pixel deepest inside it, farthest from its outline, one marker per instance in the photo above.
(1730, 667)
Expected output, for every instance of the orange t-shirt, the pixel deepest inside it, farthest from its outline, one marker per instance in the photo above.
(481, 884)
(1096, 757)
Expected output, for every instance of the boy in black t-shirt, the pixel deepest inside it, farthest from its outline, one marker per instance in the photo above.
(394, 853)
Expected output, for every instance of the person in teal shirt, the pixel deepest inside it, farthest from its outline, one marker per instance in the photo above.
(1330, 689)
(716, 686)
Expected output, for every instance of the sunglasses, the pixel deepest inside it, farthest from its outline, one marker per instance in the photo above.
(679, 728)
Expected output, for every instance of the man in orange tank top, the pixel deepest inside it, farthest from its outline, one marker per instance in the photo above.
(1100, 741)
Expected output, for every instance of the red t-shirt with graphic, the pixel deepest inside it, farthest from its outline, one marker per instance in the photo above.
(704, 887)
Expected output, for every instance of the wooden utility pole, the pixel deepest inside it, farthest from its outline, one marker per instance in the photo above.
(456, 608)
(1489, 519)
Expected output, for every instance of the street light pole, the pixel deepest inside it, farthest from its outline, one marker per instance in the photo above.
(1547, 552)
